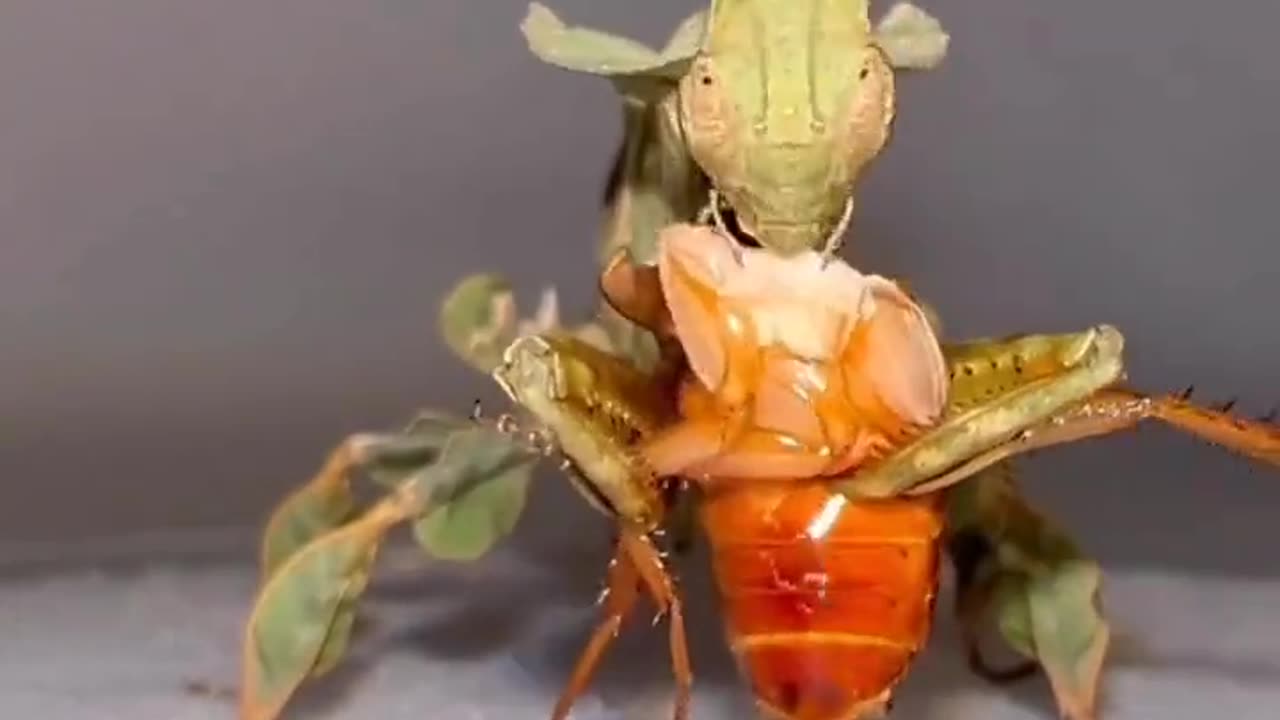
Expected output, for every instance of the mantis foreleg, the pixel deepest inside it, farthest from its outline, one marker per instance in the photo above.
(1012, 397)
(598, 407)
(998, 389)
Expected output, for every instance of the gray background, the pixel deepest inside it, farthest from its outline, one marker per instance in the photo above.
(225, 227)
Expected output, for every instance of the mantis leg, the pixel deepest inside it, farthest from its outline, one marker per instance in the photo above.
(1012, 397)
(1114, 410)
(971, 549)
(599, 407)
(999, 388)
(1020, 573)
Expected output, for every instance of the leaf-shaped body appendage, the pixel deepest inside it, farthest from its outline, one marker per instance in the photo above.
(481, 494)
(636, 69)
(478, 319)
(302, 619)
(912, 38)
(1036, 585)
(319, 506)
(326, 502)
(471, 495)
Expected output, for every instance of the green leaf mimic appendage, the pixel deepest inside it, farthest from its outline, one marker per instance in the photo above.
(479, 486)
(1032, 580)
(463, 483)
(302, 620)
(326, 501)
(595, 52)
(912, 38)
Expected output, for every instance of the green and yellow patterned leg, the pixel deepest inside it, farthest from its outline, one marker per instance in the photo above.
(1016, 395)
(998, 388)
(599, 408)
(1014, 567)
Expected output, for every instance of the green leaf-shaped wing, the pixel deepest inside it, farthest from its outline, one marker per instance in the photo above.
(303, 616)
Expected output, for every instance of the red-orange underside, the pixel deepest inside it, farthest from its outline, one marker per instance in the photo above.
(823, 627)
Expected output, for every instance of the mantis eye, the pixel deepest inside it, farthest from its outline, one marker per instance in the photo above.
(869, 114)
(706, 114)
(703, 103)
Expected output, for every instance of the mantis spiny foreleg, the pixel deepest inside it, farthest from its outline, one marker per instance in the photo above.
(599, 407)
(1013, 396)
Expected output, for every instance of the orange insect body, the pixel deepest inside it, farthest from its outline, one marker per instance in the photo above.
(826, 602)
(800, 370)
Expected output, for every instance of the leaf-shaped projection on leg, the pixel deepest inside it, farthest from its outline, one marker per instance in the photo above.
(912, 38)
(653, 180)
(473, 494)
(302, 619)
(326, 501)
(479, 318)
(1015, 567)
(479, 514)
(595, 52)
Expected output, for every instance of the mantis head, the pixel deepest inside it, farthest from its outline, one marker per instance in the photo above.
(784, 106)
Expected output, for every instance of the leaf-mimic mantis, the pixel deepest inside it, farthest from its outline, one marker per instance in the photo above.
(827, 440)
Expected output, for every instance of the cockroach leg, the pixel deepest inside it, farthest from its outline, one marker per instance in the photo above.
(653, 572)
(619, 599)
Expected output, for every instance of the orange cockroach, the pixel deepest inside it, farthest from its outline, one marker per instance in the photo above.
(785, 382)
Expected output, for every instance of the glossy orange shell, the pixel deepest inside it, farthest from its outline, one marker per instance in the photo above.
(826, 602)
